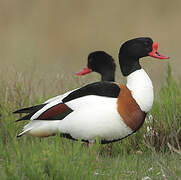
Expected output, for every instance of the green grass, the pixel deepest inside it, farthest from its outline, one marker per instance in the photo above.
(146, 153)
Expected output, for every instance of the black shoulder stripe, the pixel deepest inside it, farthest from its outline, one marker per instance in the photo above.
(107, 89)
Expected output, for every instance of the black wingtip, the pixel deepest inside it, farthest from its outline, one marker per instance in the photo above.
(24, 110)
(20, 120)
(27, 117)
(15, 112)
(29, 109)
(18, 136)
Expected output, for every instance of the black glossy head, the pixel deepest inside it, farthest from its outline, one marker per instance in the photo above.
(100, 62)
(137, 48)
(131, 51)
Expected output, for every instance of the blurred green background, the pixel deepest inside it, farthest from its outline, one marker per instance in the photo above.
(52, 37)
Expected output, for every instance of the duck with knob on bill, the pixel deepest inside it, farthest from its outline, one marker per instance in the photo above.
(107, 110)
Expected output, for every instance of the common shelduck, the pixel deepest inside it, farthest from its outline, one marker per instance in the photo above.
(102, 63)
(97, 61)
(107, 110)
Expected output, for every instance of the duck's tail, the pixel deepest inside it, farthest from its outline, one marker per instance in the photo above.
(40, 128)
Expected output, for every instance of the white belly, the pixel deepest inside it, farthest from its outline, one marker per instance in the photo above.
(99, 120)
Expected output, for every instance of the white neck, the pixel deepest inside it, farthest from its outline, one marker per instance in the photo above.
(141, 89)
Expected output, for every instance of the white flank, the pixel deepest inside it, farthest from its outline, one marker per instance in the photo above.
(141, 89)
(94, 116)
